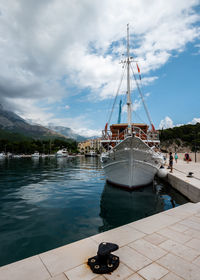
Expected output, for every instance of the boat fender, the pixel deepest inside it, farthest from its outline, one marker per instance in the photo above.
(162, 173)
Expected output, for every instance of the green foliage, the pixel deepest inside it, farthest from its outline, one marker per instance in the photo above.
(19, 144)
(189, 134)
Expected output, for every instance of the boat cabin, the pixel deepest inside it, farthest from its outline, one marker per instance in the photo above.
(118, 131)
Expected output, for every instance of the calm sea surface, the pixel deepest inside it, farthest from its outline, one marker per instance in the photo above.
(48, 202)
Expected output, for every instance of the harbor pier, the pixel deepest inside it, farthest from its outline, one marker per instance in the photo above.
(186, 179)
(163, 246)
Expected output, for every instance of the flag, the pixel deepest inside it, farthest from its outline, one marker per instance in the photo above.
(138, 68)
(106, 128)
(153, 128)
(138, 71)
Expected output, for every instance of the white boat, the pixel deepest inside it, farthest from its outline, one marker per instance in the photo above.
(91, 154)
(17, 156)
(35, 155)
(2, 155)
(131, 155)
(62, 153)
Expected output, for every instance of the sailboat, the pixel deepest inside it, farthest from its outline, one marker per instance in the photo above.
(131, 156)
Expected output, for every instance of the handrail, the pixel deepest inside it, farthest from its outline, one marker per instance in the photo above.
(149, 136)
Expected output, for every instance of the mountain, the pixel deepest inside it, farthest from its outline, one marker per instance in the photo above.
(68, 132)
(12, 123)
(182, 138)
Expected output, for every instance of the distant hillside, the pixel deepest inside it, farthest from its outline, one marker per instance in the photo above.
(12, 123)
(19, 144)
(181, 138)
(13, 136)
(68, 132)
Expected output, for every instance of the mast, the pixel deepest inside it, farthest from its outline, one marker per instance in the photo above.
(128, 82)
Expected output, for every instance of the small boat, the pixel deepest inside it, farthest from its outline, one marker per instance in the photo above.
(35, 155)
(131, 156)
(91, 154)
(17, 156)
(2, 155)
(62, 153)
(43, 155)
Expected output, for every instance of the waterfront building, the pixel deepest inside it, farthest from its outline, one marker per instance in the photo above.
(90, 145)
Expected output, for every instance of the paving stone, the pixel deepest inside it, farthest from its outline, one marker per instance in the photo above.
(132, 258)
(82, 272)
(180, 267)
(153, 272)
(154, 223)
(27, 269)
(174, 235)
(69, 256)
(197, 261)
(99, 278)
(135, 276)
(191, 224)
(184, 210)
(122, 272)
(194, 243)
(195, 219)
(178, 227)
(59, 277)
(121, 236)
(180, 250)
(171, 276)
(155, 238)
(192, 233)
(147, 249)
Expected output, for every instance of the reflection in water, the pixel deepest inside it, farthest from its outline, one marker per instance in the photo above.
(119, 207)
(49, 202)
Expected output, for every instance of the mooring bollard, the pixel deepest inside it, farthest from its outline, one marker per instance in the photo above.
(190, 174)
(104, 262)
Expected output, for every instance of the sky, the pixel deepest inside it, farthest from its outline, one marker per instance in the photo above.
(60, 61)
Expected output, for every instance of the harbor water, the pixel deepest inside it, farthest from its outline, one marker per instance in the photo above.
(47, 202)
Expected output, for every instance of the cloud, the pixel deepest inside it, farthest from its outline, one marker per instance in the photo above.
(89, 132)
(51, 50)
(195, 120)
(166, 123)
(67, 107)
(78, 124)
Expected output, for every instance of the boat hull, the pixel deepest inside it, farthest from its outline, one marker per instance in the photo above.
(131, 164)
(61, 156)
(90, 155)
(62, 153)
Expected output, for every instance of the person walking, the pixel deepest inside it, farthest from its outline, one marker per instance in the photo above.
(171, 162)
(176, 157)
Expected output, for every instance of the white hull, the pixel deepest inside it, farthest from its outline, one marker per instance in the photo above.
(62, 153)
(35, 155)
(131, 163)
(91, 154)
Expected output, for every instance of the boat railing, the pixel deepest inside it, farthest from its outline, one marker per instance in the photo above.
(149, 136)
